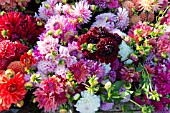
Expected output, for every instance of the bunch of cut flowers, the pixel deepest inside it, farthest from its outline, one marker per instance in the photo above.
(85, 55)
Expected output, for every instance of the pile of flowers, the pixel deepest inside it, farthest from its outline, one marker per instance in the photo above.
(87, 55)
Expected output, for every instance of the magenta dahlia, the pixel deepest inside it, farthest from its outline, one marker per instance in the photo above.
(80, 71)
(50, 93)
(17, 26)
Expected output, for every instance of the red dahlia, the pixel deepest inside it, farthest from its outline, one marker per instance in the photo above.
(17, 26)
(12, 90)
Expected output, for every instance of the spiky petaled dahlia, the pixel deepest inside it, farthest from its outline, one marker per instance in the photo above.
(96, 69)
(27, 60)
(161, 79)
(50, 93)
(11, 4)
(81, 11)
(61, 27)
(16, 66)
(122, 18)
(17, 26)
(129, 74)
(107, 50)
(80, 71)
(12, 90)
(139, 30)
(106, 44)
(150, 5)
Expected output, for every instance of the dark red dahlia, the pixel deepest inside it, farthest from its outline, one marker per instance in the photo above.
(107, 50)
(99, 44)
(17, 26)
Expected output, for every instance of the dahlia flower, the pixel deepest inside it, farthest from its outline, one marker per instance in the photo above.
(11, 4)
(17, 26)
(161, 79)
(89, 103)
(122, 18)
(46, 66)
(16, 66)
(105, 106)
(105, 44)
(139, 30)
(96, 69)
(113, 4)
(50, 93)
(81, 11)
(60, 27)
(48, 45)
(80, 71)
(12, 90)
(47, 9)
(125, 50)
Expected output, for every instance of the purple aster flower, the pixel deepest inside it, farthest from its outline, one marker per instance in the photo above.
(122, 18)
(36, 54)
(81, 11)
(105, 106)
(122, 89)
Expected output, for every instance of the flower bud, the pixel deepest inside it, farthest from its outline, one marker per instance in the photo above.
(20, 103)
(9, 73)
(76, 96)
(108, 85)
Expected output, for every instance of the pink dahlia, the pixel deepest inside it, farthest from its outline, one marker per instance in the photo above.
(17, 26)
(81, 11)
(80, 71)
(139, 30)
(50, 93)
(60, 27)
(12, 90)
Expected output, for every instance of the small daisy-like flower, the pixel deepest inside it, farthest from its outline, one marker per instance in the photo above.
(81, 11)
(50, 93)
(89, 103)
(122, 18)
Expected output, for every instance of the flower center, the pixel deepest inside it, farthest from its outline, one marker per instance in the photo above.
(12, 88)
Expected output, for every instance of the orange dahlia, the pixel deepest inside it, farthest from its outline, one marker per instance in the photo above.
(16, 66)
(12, 90)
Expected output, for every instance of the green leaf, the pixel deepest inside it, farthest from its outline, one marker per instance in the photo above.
(117, 85)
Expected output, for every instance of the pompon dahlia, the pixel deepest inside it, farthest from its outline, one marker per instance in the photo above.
(50, 93)
(107, 50)
(81, 11)
(61, 28)
(17, 26)
(122, 18)
(105, 44)
(16, 66)
(12, 90)
(80, 71)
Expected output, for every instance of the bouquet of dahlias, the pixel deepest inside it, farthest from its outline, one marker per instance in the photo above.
(86, 56)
